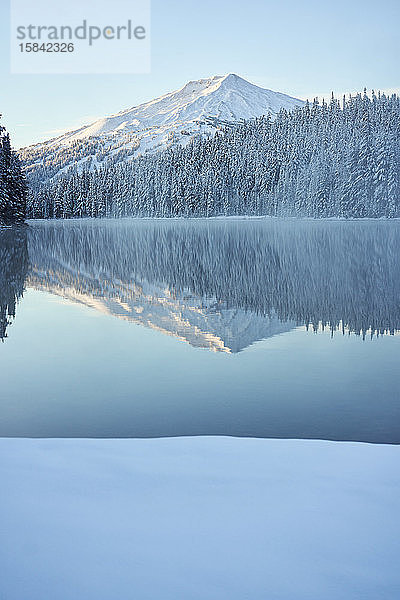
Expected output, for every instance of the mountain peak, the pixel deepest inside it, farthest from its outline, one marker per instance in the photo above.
(213, 83)
(232, 78)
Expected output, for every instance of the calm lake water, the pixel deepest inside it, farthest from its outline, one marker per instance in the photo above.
(140, 328)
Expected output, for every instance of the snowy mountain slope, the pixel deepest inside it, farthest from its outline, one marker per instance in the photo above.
(227, 98)
(198, 108)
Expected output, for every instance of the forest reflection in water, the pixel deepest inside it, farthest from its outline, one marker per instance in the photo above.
(13, 273)
(221, 284)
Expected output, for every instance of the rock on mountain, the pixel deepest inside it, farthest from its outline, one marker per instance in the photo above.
(198, 108)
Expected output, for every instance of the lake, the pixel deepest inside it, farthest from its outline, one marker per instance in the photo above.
(261, 328)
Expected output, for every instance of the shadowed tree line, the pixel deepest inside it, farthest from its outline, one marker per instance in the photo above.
(13, 190)
(13, 273)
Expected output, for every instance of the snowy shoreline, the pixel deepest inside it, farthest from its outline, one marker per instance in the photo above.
(199, 518)
(218, 218)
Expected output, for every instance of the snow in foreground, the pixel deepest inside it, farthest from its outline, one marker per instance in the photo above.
(198, 518)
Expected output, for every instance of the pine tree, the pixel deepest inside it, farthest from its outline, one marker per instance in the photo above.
(13, 190)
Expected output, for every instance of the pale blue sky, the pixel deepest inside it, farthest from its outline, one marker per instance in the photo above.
(303, 49)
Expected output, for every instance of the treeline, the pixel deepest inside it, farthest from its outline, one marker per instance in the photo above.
(320, 160)
(13, 191)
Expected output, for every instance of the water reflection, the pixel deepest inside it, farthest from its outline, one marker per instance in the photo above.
(224, 284)
(220, 285)
(13, 272)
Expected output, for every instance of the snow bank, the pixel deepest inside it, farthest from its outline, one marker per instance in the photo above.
(198, 518)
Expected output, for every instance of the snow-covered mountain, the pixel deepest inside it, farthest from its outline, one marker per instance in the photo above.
(225, 98)
(198, 108)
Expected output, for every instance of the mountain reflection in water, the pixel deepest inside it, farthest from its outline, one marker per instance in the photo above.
(223, 284)
(218, 284)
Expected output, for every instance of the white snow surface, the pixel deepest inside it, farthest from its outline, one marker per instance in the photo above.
(199, 519)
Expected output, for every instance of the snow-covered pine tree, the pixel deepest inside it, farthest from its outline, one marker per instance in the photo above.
(13, 191)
